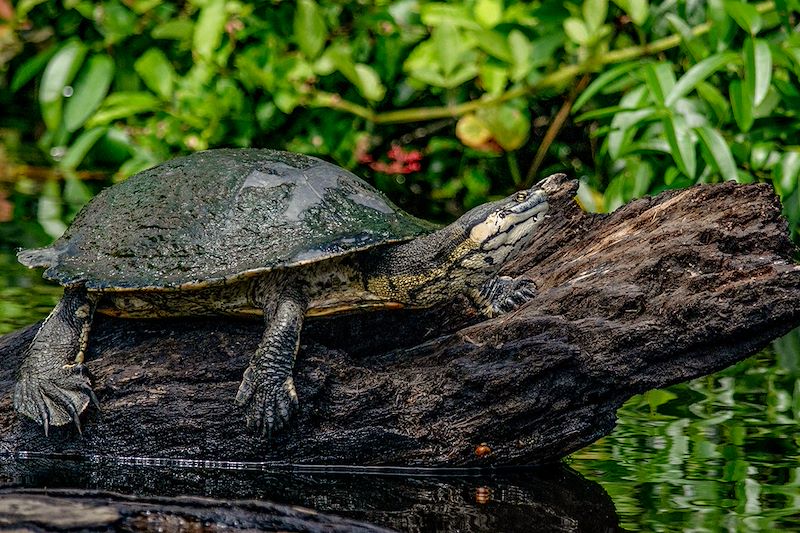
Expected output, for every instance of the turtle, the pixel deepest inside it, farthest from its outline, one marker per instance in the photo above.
(256, 232)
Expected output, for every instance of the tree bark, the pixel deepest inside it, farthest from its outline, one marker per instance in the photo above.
(663, 290)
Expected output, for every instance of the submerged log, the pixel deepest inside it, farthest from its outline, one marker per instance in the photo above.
(663, 290)
(86, 510)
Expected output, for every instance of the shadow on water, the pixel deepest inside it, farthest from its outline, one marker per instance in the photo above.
(554, 499)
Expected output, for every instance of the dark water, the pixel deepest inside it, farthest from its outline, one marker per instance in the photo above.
(717, 454)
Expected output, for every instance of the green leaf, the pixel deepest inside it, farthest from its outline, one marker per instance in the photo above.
(435, 14)
(122, 105)
(445, 37)
(718, 153)
(369, 83)
(718, 103)
(488, 13)
(576, 30)
(602, 81)
(177, 29)
(156, 71)
(637, 10)
(757, 68)
(493, 77)
(30, 68)
(698, 73)
(209, 28)
(508, 124)
(309, 28)
(660, 80)
(601, 113)
(680, 143)
(789, 172)
(77, 152)
(89, 90)
(745, 15)
(60, 71)
(741, 104)
(522, 52)
(495, 44)
(594, 13)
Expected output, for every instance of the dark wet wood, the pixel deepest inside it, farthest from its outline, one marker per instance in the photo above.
(85, 510)
(663, 290)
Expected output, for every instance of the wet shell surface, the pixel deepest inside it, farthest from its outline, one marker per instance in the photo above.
(220, 215)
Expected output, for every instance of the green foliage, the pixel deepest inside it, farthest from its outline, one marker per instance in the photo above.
(681, 92)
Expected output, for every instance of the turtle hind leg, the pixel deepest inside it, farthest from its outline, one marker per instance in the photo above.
(52, 386)
(267, 391)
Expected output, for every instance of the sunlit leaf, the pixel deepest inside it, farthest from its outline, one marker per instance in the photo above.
(602, 81)
(745, 15)
(660, 80)
(788, 172)
(681, 143)
(522, 52)
(576, 30)
(209, 28)
(309, 28)
(717, 151)
(156, 71)
(60, 71)
(488, 12)
(594, 13)
(698, 73)
(741, 104)
(89, 90)
(123, 104)
(368, 83)
(757, 68)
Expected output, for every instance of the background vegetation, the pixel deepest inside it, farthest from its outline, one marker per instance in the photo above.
(441, 104)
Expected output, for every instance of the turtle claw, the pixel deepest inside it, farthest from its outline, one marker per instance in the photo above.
(504, 294)
(55, 396)
(268, 400)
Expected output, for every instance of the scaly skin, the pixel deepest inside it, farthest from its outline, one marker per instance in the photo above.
(462, 258)
(52, 386)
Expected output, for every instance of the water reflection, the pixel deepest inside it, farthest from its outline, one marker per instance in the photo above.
(556, 499)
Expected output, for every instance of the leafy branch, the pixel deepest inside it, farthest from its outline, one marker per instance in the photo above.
(552, 80)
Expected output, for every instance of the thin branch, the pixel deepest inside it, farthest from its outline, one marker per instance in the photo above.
(554, 79)
(552, 131)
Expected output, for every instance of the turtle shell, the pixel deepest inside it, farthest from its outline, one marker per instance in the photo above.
(217, 215)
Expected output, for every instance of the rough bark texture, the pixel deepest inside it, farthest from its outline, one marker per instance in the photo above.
(663, 290)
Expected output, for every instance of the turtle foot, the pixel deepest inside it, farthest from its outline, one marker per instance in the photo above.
(268, 398)
(54, 396)
(504, 294)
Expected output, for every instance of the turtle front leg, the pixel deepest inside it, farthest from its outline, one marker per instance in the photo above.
(502, 294)
(52, 386)
(267, 391)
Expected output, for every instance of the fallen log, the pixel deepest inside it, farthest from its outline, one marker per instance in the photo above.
(663, 290)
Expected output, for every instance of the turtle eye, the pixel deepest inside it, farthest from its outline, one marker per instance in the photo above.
(521, 196)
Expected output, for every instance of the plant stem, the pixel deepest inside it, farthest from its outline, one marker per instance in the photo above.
(552, 131)
(554, 79)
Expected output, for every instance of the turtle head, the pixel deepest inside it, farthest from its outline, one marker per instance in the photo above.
(498, 230)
